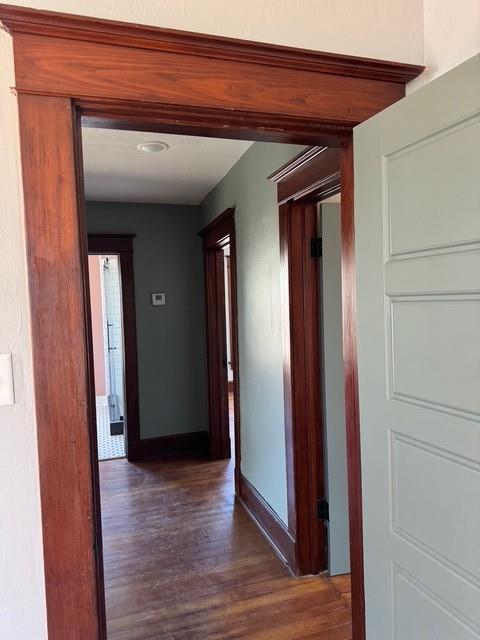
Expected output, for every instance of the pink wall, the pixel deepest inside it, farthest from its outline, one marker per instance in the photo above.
(94, 274)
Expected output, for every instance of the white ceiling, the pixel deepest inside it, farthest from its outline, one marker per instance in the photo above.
(183, 174)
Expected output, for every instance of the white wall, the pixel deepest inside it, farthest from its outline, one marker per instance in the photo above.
(21, 566)
(452, 35)
(390, 30)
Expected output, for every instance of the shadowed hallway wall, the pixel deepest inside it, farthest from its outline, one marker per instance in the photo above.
(246, 188)
(170, 339)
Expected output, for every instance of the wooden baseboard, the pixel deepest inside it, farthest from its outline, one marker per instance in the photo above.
(195, 443)
(267, 520)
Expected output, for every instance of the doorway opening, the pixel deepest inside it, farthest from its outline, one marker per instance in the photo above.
(183, 458)
(333, 386)
(108, 358)
(219, 259)
(229, 342)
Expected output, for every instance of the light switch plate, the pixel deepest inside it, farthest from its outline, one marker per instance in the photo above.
(158, 299)
(7, 395)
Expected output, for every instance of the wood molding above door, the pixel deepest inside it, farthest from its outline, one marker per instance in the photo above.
(71, 67)
(124, 34)
(187, 78)
(311, 176)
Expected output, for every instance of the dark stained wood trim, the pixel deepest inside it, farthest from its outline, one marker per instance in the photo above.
(122, 245)
(352, 416)
(63, 25)
(236, 123)
(218, 233)
(97, 517)
(57, 54)
(341, 162)
(142, 77)
(195, 443)
(311, 176)
(301, 375)
(296, 163)
(110, 243)
(267, 520)
(45, 64)
(61, 355)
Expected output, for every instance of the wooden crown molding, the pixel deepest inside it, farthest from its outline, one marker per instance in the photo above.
(113, 69)
(217, 227)
(296, 163)
(62, 25)
(314, 174)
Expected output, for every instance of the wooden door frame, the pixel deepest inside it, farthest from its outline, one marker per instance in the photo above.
(156, 80)
(122, 245)
(216, 235)
(315, 174)
(301, 377)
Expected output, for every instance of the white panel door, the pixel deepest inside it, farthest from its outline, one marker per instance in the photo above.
(417, 218)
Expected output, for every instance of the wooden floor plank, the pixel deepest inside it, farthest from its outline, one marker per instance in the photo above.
(183, 561)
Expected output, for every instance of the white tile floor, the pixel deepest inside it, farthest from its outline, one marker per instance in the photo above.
(108, 446)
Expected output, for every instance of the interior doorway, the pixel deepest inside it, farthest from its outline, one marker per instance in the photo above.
(332, 384)
(240, 89)
(184, 311)
(219, 251)
(114, 345)
(184, 510)
(229, 331)
(108, 354)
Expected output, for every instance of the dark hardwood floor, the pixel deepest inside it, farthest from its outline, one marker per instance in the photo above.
(183, 561)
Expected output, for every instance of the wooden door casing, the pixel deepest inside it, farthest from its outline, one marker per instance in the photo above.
(316, 173)
(216, 235)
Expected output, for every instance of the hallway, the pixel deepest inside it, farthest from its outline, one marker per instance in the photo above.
(184, 562)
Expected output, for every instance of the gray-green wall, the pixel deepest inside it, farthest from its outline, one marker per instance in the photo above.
(171, 338)
(246, 188)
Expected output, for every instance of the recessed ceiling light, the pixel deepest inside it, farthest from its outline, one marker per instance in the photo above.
(153, 147)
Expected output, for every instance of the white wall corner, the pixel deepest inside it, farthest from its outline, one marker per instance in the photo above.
(451, 36)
